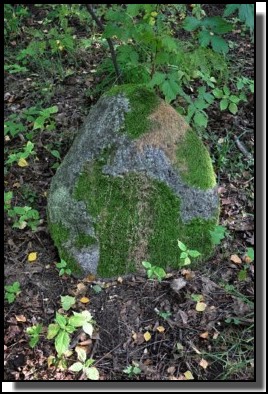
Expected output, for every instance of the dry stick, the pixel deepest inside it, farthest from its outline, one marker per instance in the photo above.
(242, 148)
(110, 43)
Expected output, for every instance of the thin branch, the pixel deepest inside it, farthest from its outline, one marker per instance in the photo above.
(110, 42)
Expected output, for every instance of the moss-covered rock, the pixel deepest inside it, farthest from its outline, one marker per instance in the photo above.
(135, 180)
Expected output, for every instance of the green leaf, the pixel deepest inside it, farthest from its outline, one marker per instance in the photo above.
(76, 367)
(97, 289)
(230, 9)
(80, 318)
(200, 119)
(52, 330)
(182, 246)
(219, 45)
(224, 104)
(233, 108)
(62, 342)
(81, 354)
(10, 297)
(246, 14)
(190, 23)
(250, 253)
(242, 275)
(133, 9)
(160, 273)
(204, 38)
(39, 123)
(170, 88)
(55, 153)
(183, 255)
(62, 264)
(157, 79)
(170, 43)
(234, 99)
(14, 288)
(187, 261)
(88, 328)
(92, 373)
(197, 297)
(218, 25)
(194, 253)
(217, 93)
(61, 320)
(146, 264)
(217, 234)
(89, 362)
(70, 329)
(67, 302)
(34, 341)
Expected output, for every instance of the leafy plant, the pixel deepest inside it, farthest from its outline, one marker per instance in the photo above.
(234, 320)
(85, 365)
(63, 268)
(64, 326)
(244, 83)
(245, 13)
(132, 370)
(164, 315)
(186, 254)
(11, 292)
(227, 100)
(20, 157)
(23, 217)
(13, 128)
(154, 271)
(7, 200)
(15, 68)
(45, 117)
(34, 334)
(218, 234)
(210, 31)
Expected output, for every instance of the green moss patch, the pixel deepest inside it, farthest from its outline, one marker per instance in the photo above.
(142, 102)
(194, 162)
(84, 240)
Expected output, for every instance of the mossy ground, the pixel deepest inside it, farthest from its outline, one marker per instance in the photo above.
(142, 102)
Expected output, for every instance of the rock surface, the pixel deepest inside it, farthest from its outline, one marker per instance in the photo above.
(135, 180)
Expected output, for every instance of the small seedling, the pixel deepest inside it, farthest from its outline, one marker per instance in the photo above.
(154, 271)
(218, 234)
(12, 291)
(23, 217)
(7, 200)
(64, 326)
(85, 365)
(132, 370)
(63, 270)
(67, 302)
(34, 333)
(184, 256)
(234, 320)
(164, 315)
(227, 100)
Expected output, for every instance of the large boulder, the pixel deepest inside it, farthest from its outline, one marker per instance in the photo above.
(136, 179)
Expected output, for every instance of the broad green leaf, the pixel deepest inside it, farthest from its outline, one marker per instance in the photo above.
(194, 253)
(218, 25)
(133, 9)
(88, 328)
(61, 320)
(70, 328)
(226, 90)
(10, 297)
(160, 273)
(97, 289)
(62, 341)
(204, 38)
(246, 14)
(183, 255)
(34, 341)
(146, 264)
(234, 99)
(217, 93)
(200, 119)
(76, 367)
(92, 373)
(219, 45)
(233, 108)
(14, 288)
(224, 104)
(182, 246)
(170, 43)
(170, 89)
(81, 353)
(55, 153)
(217, 234)
(89, 362)
(230, 9)
(87, 315)
(242, 275)
(157, 79)
(190, 23)
(150, 273)
(52, 330)
(67, 302)
(39, 123)
(187, 261)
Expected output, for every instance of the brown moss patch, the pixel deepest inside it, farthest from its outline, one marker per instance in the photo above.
(168, 128)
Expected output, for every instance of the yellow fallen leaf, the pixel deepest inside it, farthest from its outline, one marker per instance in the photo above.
(50, 361)
(200, 306)
(204, 335)
(84, 300)
(203, 363)
(32, 257)
(21, 318)
(147, 336)
(160, 328)
(235, 259)
(22, 163)
(188, 375)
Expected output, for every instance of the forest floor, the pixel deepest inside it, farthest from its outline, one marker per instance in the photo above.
(217, 344)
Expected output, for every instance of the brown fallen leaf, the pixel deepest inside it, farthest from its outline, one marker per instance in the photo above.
(235, 259)
(203, 363)
(204, 335)
(21, 318)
